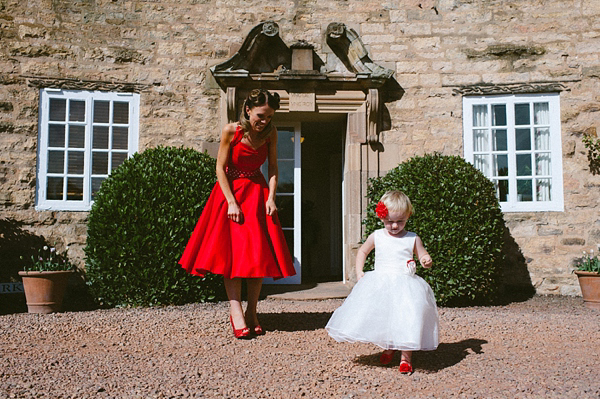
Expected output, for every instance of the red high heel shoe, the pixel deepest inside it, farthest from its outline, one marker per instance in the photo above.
(386, 357)
(405, 367)
(242, 333)
(258, 330)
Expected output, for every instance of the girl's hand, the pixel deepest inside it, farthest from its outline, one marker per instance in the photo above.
(271, 207)
(426, 261)
(234, 212)
(360, 275)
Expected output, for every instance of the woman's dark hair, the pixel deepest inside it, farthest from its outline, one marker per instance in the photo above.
(258, 98)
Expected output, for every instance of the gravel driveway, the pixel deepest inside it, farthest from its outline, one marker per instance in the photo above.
(546, 347)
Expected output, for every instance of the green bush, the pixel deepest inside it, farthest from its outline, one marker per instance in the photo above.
(458, 217)
(140, 222)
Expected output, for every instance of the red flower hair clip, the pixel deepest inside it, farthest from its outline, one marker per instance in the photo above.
(381, 210)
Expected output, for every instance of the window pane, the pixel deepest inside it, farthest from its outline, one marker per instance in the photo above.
(289, 238)
(56, 162)
(500, 142)
(75, 162)
(480, 115)
(285, 144)
(480, 140)
(543, 190)
(285, 210)
(541, 113)
(542, 138)
(75, 188)
(523, 139)
(522, 114)
(120, 112)
(100, 163)
(543, 166)
(56, 136)
(77, 111)
(101, 111)
(100, 137)
(120, 135)
(524, 165)
(58, 109)
(499, 115)
(524, 191)
(285, 183)
(481, 162)
(96, 183)
(117, 159)
(502, 190)
(76, 136)
(501, 165)
(54, 187)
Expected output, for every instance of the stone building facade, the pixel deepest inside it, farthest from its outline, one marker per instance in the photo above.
(384, 81)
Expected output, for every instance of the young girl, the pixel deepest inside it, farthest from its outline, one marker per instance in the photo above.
(391, 306)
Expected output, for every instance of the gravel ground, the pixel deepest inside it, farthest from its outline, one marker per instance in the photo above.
(546, 347)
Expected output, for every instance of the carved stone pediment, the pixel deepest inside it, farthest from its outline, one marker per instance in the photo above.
(265, 60)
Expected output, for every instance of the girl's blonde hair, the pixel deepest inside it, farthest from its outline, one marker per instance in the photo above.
(397, 201)
(258, 98)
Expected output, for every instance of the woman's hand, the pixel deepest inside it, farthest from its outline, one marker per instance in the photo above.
(271, 207)
(234, 212)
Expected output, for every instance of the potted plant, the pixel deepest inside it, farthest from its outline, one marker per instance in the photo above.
(45, 280)
(588, 274)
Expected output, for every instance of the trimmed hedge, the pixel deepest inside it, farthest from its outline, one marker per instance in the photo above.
(140, 222)
(458, 217)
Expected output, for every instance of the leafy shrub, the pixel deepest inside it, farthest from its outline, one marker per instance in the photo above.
(140, 222)
(457, 216)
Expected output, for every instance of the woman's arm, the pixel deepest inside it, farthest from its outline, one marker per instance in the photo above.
(361, 255)
(273, 174)
(233, 209)
(422, 254)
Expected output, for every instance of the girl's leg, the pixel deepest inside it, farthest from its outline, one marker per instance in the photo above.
(254, 287)
(233, 288)
(386, 356)
(406, 356)
(405, 363)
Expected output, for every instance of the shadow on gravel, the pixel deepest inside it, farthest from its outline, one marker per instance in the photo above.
(294, 321)
(446, 355)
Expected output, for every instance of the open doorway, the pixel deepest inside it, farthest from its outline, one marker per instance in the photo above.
(322, 214)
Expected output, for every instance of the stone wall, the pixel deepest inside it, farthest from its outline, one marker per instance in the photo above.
(163, 49)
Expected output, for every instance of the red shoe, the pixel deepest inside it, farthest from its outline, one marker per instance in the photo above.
(258, 330)
(242, 333)
(405, 367)
(386, 357)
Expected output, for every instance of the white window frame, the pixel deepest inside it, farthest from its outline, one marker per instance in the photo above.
(42, 203)
(556, 202)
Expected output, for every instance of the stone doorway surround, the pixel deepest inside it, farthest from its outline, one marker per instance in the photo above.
(346, 82)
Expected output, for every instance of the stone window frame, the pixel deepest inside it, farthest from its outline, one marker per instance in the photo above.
(556, 202)
(84, 146)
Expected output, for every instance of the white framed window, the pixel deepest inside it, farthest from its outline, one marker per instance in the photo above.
(515, 140)
(83, 136)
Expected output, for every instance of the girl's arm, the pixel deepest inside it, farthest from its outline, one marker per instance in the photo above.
(233, 209)
(422, 254)
(273, 174)
(361, 255)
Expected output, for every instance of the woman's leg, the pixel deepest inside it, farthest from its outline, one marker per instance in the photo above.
(254, 287)
(233, 288)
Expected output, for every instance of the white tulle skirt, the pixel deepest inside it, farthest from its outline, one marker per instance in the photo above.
(389, 309)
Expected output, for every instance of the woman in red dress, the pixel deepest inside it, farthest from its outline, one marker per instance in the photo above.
(238, 234)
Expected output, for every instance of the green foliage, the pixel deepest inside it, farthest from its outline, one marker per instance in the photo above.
(588, 262)
(593, 146)
(458, 217)
(49, 259)
(139, 225)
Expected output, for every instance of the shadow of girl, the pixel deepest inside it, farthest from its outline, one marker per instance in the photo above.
(446, 355)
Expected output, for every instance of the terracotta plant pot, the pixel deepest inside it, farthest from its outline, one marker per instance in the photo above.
(44, 291)
(590, 288)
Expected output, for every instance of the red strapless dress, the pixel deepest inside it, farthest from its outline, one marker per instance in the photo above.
(256, 247)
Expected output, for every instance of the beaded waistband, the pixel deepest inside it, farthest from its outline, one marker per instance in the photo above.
(236, 173)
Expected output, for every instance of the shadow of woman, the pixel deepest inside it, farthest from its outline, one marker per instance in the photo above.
(446, 355)
(294, 321)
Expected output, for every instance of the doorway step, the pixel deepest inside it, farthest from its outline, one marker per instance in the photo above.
(306, 292)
